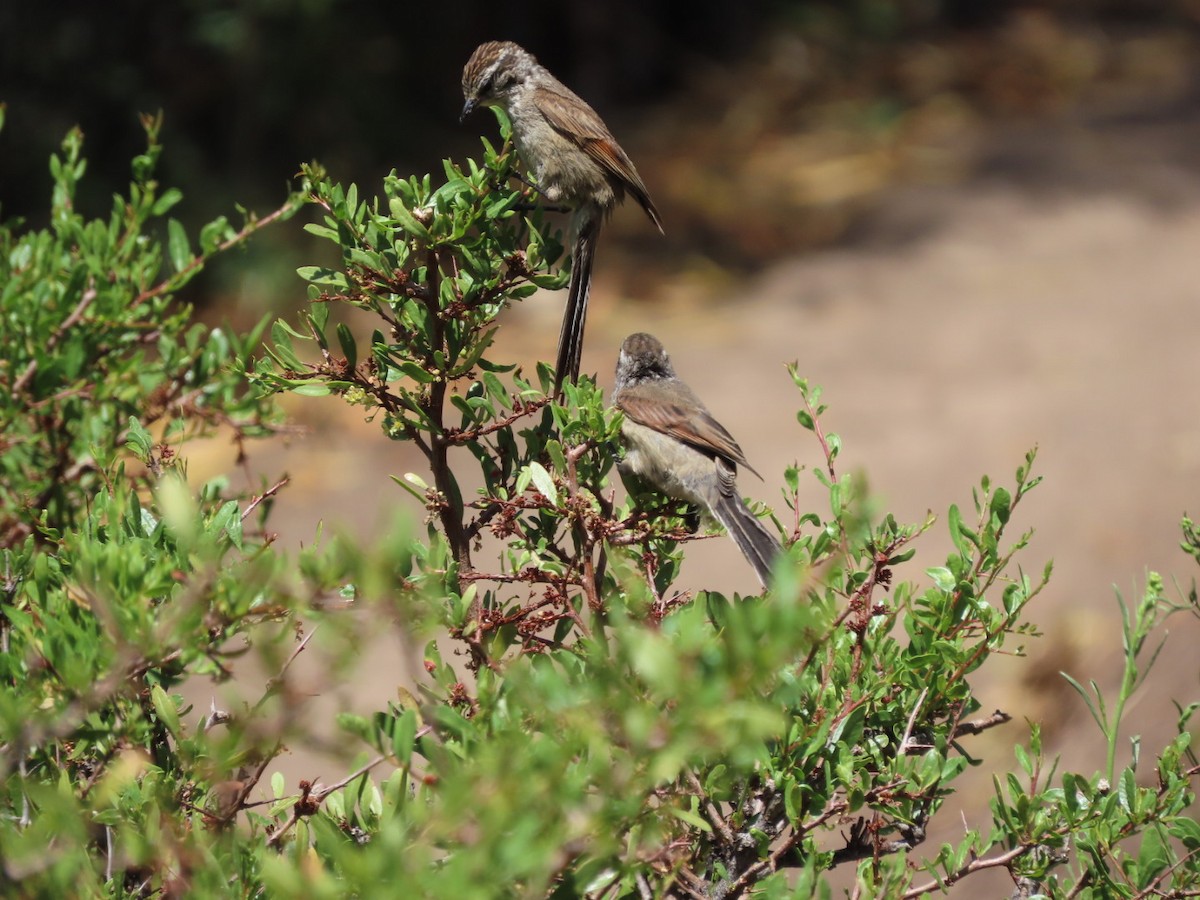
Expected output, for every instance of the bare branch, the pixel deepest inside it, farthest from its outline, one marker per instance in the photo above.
(269, 492)
(980, 725)
(975, 865)
(312, 797)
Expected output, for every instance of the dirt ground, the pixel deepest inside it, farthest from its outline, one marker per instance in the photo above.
(1050, 299)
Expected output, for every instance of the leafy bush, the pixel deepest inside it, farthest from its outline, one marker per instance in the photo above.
(600, 732)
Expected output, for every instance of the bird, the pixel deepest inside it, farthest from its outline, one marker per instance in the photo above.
(573, 159)
(674, 445)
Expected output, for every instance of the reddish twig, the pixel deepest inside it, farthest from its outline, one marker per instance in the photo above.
(51, 342)
(269, 492)
(314, 796)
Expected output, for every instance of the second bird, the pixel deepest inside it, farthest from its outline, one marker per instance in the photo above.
(572, 156)
(675, 446)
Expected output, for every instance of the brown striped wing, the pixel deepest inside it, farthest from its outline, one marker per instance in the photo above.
(574, 119)
(694, 425)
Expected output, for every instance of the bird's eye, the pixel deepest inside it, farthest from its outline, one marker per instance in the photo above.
(486, 87)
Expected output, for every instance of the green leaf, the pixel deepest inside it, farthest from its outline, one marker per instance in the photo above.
(165, 709)
(138, 440)
(544, 482)
(1187, 831)
(311, 389)
(177, 245)
(323, 276)
(230, 521)
(416, 372)
(1154, 855)
(348, 345)
(282, 346)
(943, 578)
(318, 316)
(323, 231)
(1001, 505)
(214, 234)
(410, 479)
(955, 523)
(169, 198)
(404, 736)
(403, 215)
(690, 818)
(356, 725)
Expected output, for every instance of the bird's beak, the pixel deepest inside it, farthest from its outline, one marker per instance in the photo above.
(467, 109)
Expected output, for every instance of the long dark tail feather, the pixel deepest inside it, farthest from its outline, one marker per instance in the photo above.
(757, 544)
(570, 339)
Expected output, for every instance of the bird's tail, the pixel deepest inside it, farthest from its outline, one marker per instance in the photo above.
(757, 544)
(570, 340)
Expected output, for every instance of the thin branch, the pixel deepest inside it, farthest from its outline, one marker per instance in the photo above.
(752, 873)
(1084, 881)
(912, 721)
(269, 492)
(245, 786)
(975, 865)
(273, 684)
(691, 884)
(978, 726)
(199, 260)
(590, 587)
(51, 342)
(714, 814)
(316, 798)
(520, 411)
(432, 406)
(1152, 889)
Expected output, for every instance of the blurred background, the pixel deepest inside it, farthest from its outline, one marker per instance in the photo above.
(976, 224)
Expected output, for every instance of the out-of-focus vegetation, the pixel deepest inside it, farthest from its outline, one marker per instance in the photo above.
(762, 126)
(580, 727)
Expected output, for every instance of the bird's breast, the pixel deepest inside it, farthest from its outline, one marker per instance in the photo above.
(668, 465)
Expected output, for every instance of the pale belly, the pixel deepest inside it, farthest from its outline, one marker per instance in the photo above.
(667, 465)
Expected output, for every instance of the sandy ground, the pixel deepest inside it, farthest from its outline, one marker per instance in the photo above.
(1049, 300)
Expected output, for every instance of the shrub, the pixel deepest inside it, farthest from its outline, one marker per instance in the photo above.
(584, 729)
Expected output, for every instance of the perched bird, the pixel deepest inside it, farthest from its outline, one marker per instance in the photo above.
(573, 160)
(675, 446)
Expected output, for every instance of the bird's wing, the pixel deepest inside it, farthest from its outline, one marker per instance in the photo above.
(694, 425)
(575, 120)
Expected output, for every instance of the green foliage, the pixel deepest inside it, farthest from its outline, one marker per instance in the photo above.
(583, 727)
(94, 337)
(118, 580)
